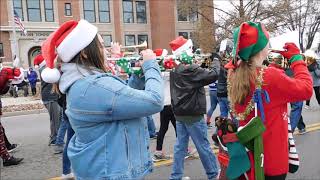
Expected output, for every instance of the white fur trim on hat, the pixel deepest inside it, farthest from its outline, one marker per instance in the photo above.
(79, 38)
(50, 75)
(42, 64)
(164, 52)
(185, 47)
(310, 53)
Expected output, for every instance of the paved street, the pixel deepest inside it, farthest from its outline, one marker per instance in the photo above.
(32, 132)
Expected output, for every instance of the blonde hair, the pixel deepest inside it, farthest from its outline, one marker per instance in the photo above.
(240, 81)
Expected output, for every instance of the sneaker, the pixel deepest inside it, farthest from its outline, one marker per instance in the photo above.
(153, 136)
(190, 153)
(307, 107)
(159, 156)
(13, 147)
(67, 176)
(52, 143)
(58, 149)
(302, 131)
(185, 178)
(12, 161)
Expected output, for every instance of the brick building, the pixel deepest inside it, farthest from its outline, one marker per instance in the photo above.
(129, 22)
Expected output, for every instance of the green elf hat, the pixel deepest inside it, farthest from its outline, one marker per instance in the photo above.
(249, 39)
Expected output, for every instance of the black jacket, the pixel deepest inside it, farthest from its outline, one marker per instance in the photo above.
(187, 83)
(46, 90)
(222, 90)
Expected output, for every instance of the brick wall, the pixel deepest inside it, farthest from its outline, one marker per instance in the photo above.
(75, 8)
(4, 38)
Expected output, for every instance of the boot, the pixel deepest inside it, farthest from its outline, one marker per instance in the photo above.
(12, 161)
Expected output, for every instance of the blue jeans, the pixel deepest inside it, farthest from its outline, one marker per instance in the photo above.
(224, 106)
(151, 126)
(214, 102)
(198, 133)
(295, 116)
(62, 130)
(66, 165)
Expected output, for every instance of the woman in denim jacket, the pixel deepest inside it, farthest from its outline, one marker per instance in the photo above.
(111, 138)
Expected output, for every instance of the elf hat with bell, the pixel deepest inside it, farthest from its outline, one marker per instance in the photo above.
(249, 39)
(180, 45)
(160, 52)
(39, 61)
(66, 42)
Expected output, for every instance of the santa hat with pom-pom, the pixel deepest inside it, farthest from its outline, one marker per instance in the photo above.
(39, 61)
(66, 42)
(160, 52)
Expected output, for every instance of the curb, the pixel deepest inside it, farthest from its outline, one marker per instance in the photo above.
(20, 113)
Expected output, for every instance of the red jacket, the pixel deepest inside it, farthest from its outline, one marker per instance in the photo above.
(282, 90)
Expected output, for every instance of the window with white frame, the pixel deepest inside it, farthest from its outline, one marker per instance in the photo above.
(89, 10)
(67, 9)
(1, 50)
(104, 11)
(48, 10)
(33, 10)
(130, 40)
(141, 12)
(107, 40)
(127, 11)
(192, 14)
(17, 4)
(142, 38)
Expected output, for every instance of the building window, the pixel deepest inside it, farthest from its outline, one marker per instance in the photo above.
(184, 34)
(17, 4)
(127, 11)
(142, 38)
(181, 16)
(67, 9)
(48, 9)
(141, 12)
(130, 40)
(104, 11)
(107, 40)
(89, 10)
(33, 9)
(1, 50)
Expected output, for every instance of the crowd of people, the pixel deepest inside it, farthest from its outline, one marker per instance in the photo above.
(108, 119)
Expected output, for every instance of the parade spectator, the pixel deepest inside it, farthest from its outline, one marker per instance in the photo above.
(314, 69)
(18, 82)
(213, 90)
(6, 75)
(248, 76)
(108, 116)
(187, 91)
(32, 78)
(222, 92)
(50, 101)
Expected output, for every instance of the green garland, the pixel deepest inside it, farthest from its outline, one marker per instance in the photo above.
(250, 107)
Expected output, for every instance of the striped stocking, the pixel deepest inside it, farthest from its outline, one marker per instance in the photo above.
(293, 154)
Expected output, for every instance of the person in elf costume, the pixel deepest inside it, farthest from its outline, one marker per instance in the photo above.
(258, 99)
(187, 83)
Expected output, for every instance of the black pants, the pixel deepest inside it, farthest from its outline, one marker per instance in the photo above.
(7, 143)
(279, 177)
(34, 90)
(317, 93)
(166, 115)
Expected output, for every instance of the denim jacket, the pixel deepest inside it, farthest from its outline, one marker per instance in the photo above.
(111, 138)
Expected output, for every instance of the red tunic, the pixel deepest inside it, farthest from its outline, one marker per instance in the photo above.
(281, 89)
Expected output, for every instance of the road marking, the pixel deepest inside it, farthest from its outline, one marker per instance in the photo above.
(310, 128)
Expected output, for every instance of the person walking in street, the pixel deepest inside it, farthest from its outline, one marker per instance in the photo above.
(32, 78)
(314, 69)
(213, 90)
(50, 101)
(250, 82)
(222, 92)
(6, 75)
(107, 116)
(187, 91)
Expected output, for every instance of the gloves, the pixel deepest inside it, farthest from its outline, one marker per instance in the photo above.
(292, 53)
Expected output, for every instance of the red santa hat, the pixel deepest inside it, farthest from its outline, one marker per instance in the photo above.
(39, 61)
(180, 45)
(160, 52)
(66, 42)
